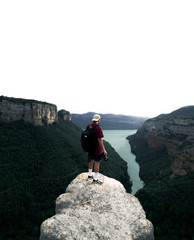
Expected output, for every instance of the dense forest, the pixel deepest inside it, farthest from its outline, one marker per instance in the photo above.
(36, 166)
(168, 203)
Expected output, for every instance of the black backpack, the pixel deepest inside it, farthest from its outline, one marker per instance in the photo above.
(87, 138)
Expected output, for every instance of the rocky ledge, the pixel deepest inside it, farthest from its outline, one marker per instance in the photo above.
(90, 211)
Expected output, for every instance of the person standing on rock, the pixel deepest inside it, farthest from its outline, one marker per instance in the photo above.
(98, 151)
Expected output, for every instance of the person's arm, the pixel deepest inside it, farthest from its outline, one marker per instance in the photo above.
(100, 141)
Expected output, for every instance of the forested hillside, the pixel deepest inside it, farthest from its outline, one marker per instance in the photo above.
(36, 165)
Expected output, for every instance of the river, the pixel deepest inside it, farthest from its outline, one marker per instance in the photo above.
(117, 139)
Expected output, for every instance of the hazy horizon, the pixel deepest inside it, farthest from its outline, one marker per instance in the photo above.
(81, 112)
(123, 57)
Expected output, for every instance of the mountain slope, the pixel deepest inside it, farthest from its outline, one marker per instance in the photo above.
(109, 121)
(164, 148)
(37, 163)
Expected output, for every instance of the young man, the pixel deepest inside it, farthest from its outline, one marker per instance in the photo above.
(99, 149)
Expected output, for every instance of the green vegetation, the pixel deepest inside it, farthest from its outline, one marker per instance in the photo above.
(36, 166)
(154, 162)
(21, 100)
(181, 113)
(168, 203)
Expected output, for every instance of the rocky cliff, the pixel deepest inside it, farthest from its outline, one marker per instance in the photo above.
(90, 211)
(164, 149)
(175, 132)
(35, 112)
(64, 115)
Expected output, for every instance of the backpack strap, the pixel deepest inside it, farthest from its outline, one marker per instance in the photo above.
(93, 126)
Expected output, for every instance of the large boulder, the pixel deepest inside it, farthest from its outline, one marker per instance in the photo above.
(91, 211)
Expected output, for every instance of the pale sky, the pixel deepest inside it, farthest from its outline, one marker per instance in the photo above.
(122, 57)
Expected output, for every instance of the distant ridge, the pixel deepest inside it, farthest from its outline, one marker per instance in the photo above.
(110, 121)
(186, 112)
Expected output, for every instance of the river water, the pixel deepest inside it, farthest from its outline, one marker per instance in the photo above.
(117, 139)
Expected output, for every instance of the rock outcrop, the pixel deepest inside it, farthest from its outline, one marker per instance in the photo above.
(64, 115)
(91, 211)
(175, 131)
(35, 112)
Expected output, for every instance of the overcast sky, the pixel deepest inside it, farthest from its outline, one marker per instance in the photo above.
(123, 57)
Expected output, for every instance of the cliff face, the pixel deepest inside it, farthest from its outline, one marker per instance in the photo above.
(35, 112)
(90, 211)
(175, 131)
(164, 148)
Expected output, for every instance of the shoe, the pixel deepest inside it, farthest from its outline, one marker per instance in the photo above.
(97, 181)
(90, 177)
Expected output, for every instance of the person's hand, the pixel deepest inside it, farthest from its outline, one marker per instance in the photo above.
(105, 152)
